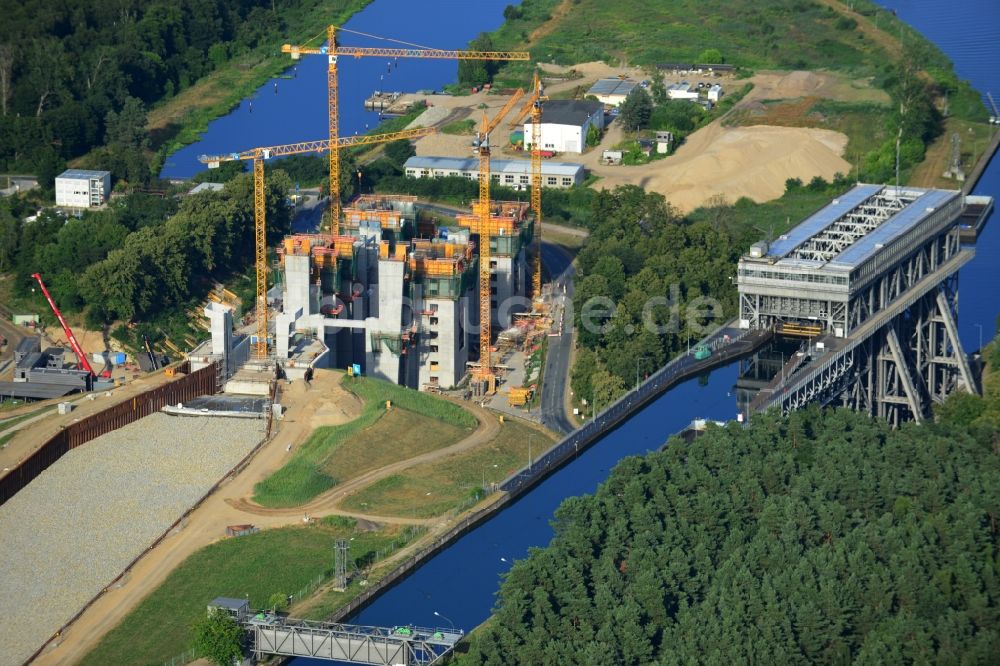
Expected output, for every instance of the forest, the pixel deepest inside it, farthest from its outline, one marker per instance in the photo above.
(77, 75)
(144, 256)
(823, 537)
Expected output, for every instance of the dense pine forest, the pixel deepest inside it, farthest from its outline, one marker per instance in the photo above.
(824, 537)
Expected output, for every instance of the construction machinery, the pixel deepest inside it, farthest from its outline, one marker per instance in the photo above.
(534, 106)
(80, 356)
(482, 209)
(331, 50)
(258, 155)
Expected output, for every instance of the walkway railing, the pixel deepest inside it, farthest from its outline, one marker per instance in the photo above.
(681, 368)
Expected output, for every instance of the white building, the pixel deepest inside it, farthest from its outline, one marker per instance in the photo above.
(78, 188)
(714, 93)
(565, 124)
(612, 91)
(682, 90)
(509, 173)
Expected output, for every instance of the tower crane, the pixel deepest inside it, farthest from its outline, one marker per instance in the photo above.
(534, 106)
(485, 316)
(258, 155)
(331, 50)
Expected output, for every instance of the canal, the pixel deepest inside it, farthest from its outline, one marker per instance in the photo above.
(460, 583)
(288, 110)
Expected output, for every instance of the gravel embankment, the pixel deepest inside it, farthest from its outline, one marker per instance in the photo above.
(78, 525)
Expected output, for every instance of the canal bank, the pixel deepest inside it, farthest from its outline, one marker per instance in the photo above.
(462, 578)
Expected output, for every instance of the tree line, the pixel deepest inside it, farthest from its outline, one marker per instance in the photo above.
(143, 256)
(640, 247)
(76, 75)
(821, 537)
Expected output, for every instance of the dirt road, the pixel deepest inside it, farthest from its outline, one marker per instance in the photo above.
(325, 403)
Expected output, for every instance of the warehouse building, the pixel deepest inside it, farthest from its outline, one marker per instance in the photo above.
(79, 188)
(565, 124)
(612, 92)
(509, 173)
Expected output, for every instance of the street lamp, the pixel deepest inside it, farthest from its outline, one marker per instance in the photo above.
(445, 619)
(530, 438)
(980, 327)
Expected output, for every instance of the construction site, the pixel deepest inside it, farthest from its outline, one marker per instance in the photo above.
(380, 290)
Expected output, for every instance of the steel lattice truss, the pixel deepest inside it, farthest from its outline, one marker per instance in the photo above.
(853, 226)
(376, 646)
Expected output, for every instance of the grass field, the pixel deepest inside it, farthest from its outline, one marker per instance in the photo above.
(467, 126)
(785, 34)
(432, 489)
(278, 561)
(317, 466)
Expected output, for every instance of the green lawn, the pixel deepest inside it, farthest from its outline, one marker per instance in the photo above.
(467, 126)
(256, 566)
(313, 467)
(432, 489)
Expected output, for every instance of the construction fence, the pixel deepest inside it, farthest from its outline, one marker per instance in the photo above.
(200, 382)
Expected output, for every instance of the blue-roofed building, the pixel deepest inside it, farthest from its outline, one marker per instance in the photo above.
(827, 273)
(81, 188)
(509, 173)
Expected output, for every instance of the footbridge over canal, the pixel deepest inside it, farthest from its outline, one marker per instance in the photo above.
(869, 285)
(270, 633)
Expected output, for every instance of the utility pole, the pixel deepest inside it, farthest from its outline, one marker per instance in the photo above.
(340, 563)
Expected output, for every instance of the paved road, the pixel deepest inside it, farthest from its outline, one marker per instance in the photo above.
(555, 381)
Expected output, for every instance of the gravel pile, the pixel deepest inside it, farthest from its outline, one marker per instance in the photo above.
(78, 525)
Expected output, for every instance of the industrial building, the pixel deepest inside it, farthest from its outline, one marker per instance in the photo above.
(682, 90)
(42, 374)
(565, 124)
(612, 91)
(509, 173)
(870, 282)
(394, 298)
(79, 188)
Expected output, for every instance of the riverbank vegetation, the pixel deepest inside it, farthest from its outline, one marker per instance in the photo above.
(378, 437)
(821, 537)
(76, 76)
(264, 568)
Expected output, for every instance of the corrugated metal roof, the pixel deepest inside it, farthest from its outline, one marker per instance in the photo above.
(34, 390)
(821, 219)
(501, 166)
(612, 87)
(82, 174)
(894, 227)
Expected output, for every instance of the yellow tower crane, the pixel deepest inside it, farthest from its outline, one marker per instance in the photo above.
(534, 106)
(258, 155)
(485, 373)
(332, 50)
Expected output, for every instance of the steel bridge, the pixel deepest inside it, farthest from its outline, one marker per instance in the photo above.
(871, 282)
(270, 633)
(377, 646)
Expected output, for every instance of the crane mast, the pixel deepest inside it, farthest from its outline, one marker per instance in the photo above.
(331, 51)
(485, 314)
(258, 155)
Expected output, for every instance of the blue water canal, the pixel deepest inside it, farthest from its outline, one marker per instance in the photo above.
(461, 582)
(287, 110)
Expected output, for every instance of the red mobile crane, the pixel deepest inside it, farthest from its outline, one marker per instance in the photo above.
(81, 357)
